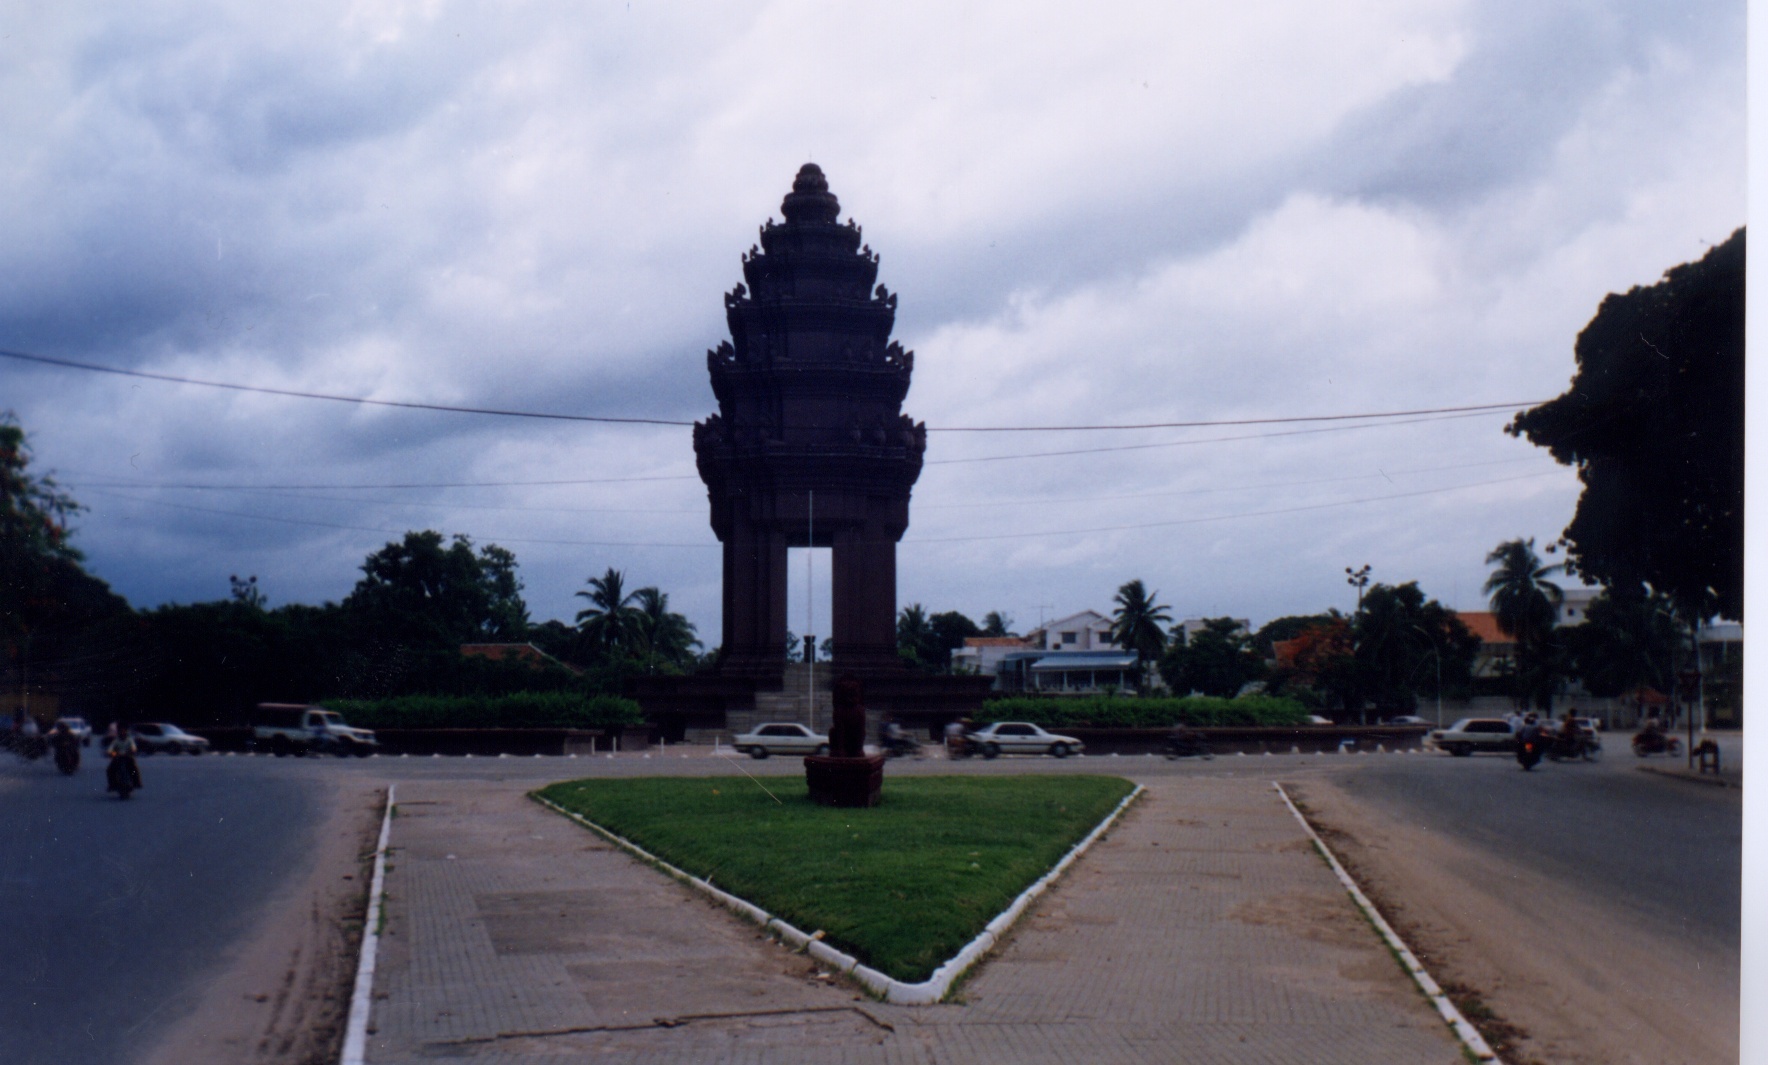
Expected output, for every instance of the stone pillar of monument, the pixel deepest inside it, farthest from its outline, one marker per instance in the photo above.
(810, 438)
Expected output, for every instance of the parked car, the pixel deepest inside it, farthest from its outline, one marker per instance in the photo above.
(1316, 719)
(1021, 737)
(79, 727)
(159, 737)
(781, 737)
(1472, 734)
(285, 729)
(1407, 719)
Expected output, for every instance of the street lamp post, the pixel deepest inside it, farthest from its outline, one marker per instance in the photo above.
(1358, 579)
(1438, 655)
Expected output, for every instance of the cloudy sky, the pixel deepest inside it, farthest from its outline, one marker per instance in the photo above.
(1141, 213)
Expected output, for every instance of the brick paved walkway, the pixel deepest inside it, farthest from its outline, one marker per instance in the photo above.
(1203, 929)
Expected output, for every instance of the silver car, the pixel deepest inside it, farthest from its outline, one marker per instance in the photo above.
(781, 737)
(1021, 737)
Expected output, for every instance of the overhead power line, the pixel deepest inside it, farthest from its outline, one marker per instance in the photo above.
(911, 541)
(297, 394)
(71, 364)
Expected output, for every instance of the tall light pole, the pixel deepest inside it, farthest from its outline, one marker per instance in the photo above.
(1438, 655)
(1358, 579)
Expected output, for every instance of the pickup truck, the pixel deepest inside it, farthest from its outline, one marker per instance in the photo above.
(284, 729)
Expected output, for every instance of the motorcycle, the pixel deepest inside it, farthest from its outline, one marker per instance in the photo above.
(1580, 745)
(1186, 745)
(122, 775)
(1651, 741)
(902, 747)
(1529, 749)
(67, 757)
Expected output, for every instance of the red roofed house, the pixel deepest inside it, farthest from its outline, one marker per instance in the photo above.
(514, 652)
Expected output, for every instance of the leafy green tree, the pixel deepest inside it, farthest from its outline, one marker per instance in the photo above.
(1136, 625)
(1321, 667)
(49, 606)
(995, 623)
(1654, 422)
(423, 592)
(1404, 642)
(1526, 604)
(950, 629)
(666, 638)
(1626, 641)
(609, 624)
(1218, 659)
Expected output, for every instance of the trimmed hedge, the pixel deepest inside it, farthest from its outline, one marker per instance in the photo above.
(516, 710)
(1203, 711)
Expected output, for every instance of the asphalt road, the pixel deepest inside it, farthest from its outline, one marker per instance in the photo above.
(1665, 850)
(111, 911)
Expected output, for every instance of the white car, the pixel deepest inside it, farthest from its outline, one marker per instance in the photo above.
(1472, 734)
(781, 737)
(1020, 737)
(158, 737)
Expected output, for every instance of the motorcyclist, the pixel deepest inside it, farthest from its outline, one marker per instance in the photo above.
(1185, 742)
(1527, 737)
(121, 751)
(65, 744)
(896, 741)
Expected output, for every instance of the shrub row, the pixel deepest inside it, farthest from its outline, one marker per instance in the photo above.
(1203, 711)
(515, 710)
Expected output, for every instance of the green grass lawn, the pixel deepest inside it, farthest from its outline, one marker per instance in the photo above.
(901, 886)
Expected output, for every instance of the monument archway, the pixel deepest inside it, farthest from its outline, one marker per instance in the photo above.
(810, 447)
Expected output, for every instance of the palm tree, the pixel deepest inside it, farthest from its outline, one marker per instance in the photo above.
(610, 623)
(1526, 605)
(914, 635)
(666, 636)
(1136, 625)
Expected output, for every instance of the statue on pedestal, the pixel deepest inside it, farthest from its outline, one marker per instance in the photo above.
(846, 776)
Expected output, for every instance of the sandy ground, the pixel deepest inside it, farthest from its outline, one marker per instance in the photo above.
(283, 997)
(1562, 978)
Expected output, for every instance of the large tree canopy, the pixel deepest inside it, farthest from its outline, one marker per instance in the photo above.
(1654, 423)
(424, 592)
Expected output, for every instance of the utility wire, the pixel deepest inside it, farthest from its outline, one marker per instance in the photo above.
(71, 364)
(335, 487)
(1046, 501)
(917, 540)
(1229, 517)
(1202, 440)
(174, 379)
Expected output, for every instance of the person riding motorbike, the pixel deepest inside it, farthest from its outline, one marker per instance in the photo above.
(66, 746)
(896, 741)
(1185, 742)
(123, 774)
(1528, 742)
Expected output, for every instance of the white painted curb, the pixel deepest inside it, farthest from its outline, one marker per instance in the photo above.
(1466, 1032)
(929, 991)
(361, 999)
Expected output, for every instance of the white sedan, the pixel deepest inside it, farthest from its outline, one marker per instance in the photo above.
(781, 738)
(1020, 737)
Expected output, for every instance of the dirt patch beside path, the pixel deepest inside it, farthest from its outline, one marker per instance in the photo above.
(284, 996)
(1558, 977)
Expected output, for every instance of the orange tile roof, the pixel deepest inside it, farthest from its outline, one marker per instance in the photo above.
(994, 641)
(1484, 624)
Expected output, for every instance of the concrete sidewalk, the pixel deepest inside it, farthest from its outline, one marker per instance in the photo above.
(1202, 929)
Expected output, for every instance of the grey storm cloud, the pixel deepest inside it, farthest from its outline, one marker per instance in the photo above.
(1175, 212)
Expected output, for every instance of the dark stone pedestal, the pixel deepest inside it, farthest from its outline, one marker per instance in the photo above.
(844, 781)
